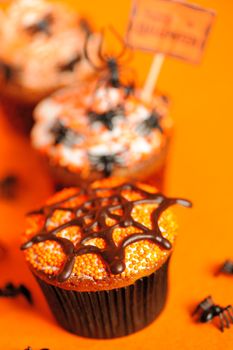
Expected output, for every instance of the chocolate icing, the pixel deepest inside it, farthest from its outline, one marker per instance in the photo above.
(96, 210)
(152, 122)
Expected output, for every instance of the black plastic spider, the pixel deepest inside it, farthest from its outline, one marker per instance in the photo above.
(65, 135)
(42, 26)
(11, 291)
(70, 66)
(111, 63)
(8, 186)
(207, 311)
(152, 122)
(106, 118)
(227, 268)
(105, 163)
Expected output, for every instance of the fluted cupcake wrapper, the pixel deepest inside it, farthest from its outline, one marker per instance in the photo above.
(111, 313)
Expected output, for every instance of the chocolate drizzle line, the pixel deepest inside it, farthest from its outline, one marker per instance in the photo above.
(96, 210)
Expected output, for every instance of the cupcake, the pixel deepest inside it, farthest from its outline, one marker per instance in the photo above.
(98, 131)
(41, 50)
(100, 254)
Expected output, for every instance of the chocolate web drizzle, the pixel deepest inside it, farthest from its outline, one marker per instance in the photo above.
(96, 210)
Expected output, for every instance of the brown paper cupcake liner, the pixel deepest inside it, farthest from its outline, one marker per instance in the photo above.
(111, 313)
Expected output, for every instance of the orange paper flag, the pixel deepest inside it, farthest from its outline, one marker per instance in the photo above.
(171, 27)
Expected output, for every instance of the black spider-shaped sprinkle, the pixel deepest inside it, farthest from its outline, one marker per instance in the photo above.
(7, 71)
(64, 134)
(227, 268)
(42, 26)
(8, 186)
(106, 118)
(105, 163)
(150, 123)
(12, 291)
(70, 65)
(207, 311)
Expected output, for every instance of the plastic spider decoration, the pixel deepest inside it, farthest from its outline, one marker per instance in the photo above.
(12, 291)
(107, 118)
(65, 135)
(227, 268)
(41, 26)
(111, 64)
(207, 311)
(149, 124)
(106, 163)
(8, 186)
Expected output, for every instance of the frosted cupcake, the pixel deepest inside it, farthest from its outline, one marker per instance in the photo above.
(101, 253)
(41, 49)
(90, 133)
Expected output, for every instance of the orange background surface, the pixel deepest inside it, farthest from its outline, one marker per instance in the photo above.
(200, 169)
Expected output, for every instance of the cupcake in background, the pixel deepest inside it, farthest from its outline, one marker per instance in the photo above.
(94, 132)
(100, 253)
(41, 50)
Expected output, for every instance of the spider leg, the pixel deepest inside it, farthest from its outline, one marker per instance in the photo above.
(100, 50)
(86, 53)
(119, 38)
(225, 317)
(229, 311)
(221, 322)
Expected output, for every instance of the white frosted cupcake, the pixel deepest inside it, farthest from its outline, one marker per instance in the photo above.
(88, 133)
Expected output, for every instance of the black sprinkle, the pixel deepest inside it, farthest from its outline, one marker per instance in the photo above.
(65, 135)
(152, 122)
(106, 118)
(106, 163)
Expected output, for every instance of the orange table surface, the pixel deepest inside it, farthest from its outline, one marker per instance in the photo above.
(200, 169)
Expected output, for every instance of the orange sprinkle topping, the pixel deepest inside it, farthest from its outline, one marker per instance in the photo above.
(141, 257)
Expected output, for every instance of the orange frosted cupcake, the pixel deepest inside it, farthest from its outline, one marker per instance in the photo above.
(100, 254)
(93, 132)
